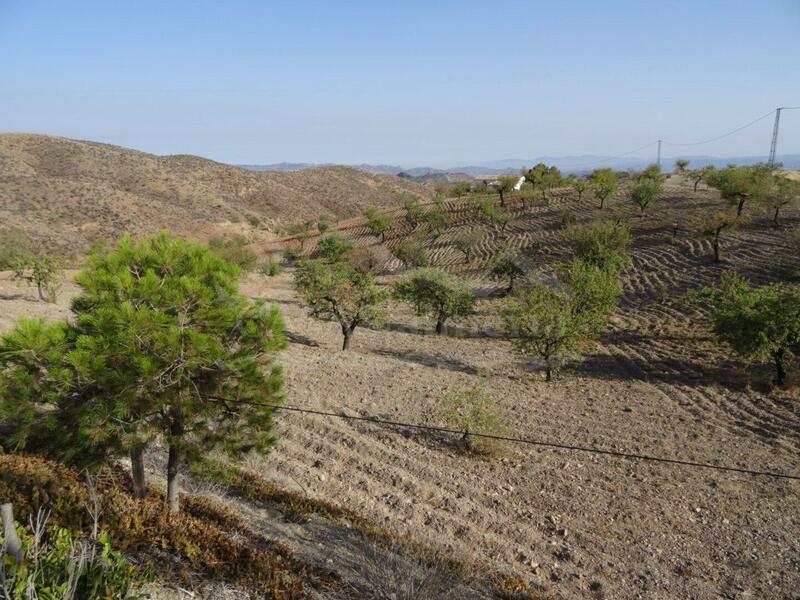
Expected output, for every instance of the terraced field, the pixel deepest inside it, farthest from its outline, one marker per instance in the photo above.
(655, 383)
(577, 524)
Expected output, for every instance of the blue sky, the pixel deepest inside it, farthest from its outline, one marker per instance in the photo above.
(409, 83)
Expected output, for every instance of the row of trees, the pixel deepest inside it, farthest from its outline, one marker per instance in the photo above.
(161, 343)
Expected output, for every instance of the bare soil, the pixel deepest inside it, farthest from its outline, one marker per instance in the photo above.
(656, 383)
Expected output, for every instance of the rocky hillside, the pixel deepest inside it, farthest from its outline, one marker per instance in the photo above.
(64, 193)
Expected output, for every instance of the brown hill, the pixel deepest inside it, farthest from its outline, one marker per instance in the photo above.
(64, 193)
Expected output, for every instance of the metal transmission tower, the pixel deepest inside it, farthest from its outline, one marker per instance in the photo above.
(774, 144)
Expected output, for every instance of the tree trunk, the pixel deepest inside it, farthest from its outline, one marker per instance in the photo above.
(137, 471)
(602, 203)
(510, 287)
(173, 489)
(39, 289)
(696, 183)
(347, 332)
(502, 199)
(740, 207)
(440, 323)
(548, 373)
(775, 217)
(780, 371)
(716, 249)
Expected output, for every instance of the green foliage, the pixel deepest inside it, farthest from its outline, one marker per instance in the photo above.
(337, 291)
(604, 184)
(506, 266)
(437, 220)
(379, 223)
(473, 411)
(701, 174)
(551, 323)
(651, 172)
(544, 178)
(681, 165)
(784, 192)
(236, 250)
(580, 186)
(301, 232)
(43, 272)
(460, 188)
(332, 247)
(412, 252)
(13, 246)
(58, 567)
(710, 227)
(466, 241)
(437, 294)
(759, 323)
(162, 343)
(504, 185)
(738, 185)
(414, 211)
(645, 191)
(604, 244)
(270, 268)
(363, 259)
(322, 226)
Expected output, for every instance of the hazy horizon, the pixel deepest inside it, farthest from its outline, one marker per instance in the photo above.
(410, 85)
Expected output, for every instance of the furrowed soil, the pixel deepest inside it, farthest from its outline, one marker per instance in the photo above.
(655, 383)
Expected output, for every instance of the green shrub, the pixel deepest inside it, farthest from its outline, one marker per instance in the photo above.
(333, 246)
(235, 250)
(412, 253)
(472, 411)
(270, 268)
(57, 566)
(13, 245)
(41, 271)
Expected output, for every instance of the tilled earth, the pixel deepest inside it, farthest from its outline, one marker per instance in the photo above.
(656, 383)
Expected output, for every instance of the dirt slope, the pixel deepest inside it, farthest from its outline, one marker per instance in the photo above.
(64, 193)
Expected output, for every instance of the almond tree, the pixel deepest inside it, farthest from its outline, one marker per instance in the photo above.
(379, 224)
(466, 242)
(580, 186)
(504, 185)
(711, 228)
(738, 185)
(506, 267)
(604, 184)
(698, 175)
(436, 293)
(644, 191)
(784, 192)
(341, 293)
(681, 165)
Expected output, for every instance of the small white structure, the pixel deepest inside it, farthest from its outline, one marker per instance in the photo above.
(518, 185)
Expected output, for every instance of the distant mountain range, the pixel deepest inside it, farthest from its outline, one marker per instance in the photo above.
(511, 166)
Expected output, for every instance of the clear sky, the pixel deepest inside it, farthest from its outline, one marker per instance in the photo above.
(411, 83)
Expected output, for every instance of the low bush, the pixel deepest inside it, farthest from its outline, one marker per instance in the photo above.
(235, 250)
(473, 411)
(269, 268)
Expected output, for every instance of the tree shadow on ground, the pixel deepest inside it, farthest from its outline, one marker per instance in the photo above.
(428, 360)
(297, 338)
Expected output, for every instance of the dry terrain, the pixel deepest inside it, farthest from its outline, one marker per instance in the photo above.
(65, 193)
(657, 383)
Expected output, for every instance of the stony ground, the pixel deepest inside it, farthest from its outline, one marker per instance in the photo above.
(656, 383)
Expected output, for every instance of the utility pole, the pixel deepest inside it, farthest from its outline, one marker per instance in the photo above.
(774, 144)
(658, 158)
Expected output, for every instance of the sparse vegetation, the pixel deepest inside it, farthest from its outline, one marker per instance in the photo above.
(604, 184)
(332, 247)
(711, 228)
(466, 242)
(473, 411)
(44, 272)
(379, 224)
(760, 323)
(236, 250)
(603, 244)
(270, 268)
(739, 185)
(342, 293)
(437, 294)
(645, 191)
(412, 253)
(506, 267)
(681, 165)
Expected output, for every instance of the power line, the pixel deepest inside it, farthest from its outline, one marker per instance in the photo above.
(528, 441)
(724, 135)
(609, 158)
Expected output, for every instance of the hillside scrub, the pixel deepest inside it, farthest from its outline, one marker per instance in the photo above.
(604, 244)
(235, 250)
(760, 323)
(44, 272)
(342, 293)
(332, 247)
(437, 294)
(162, 343)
